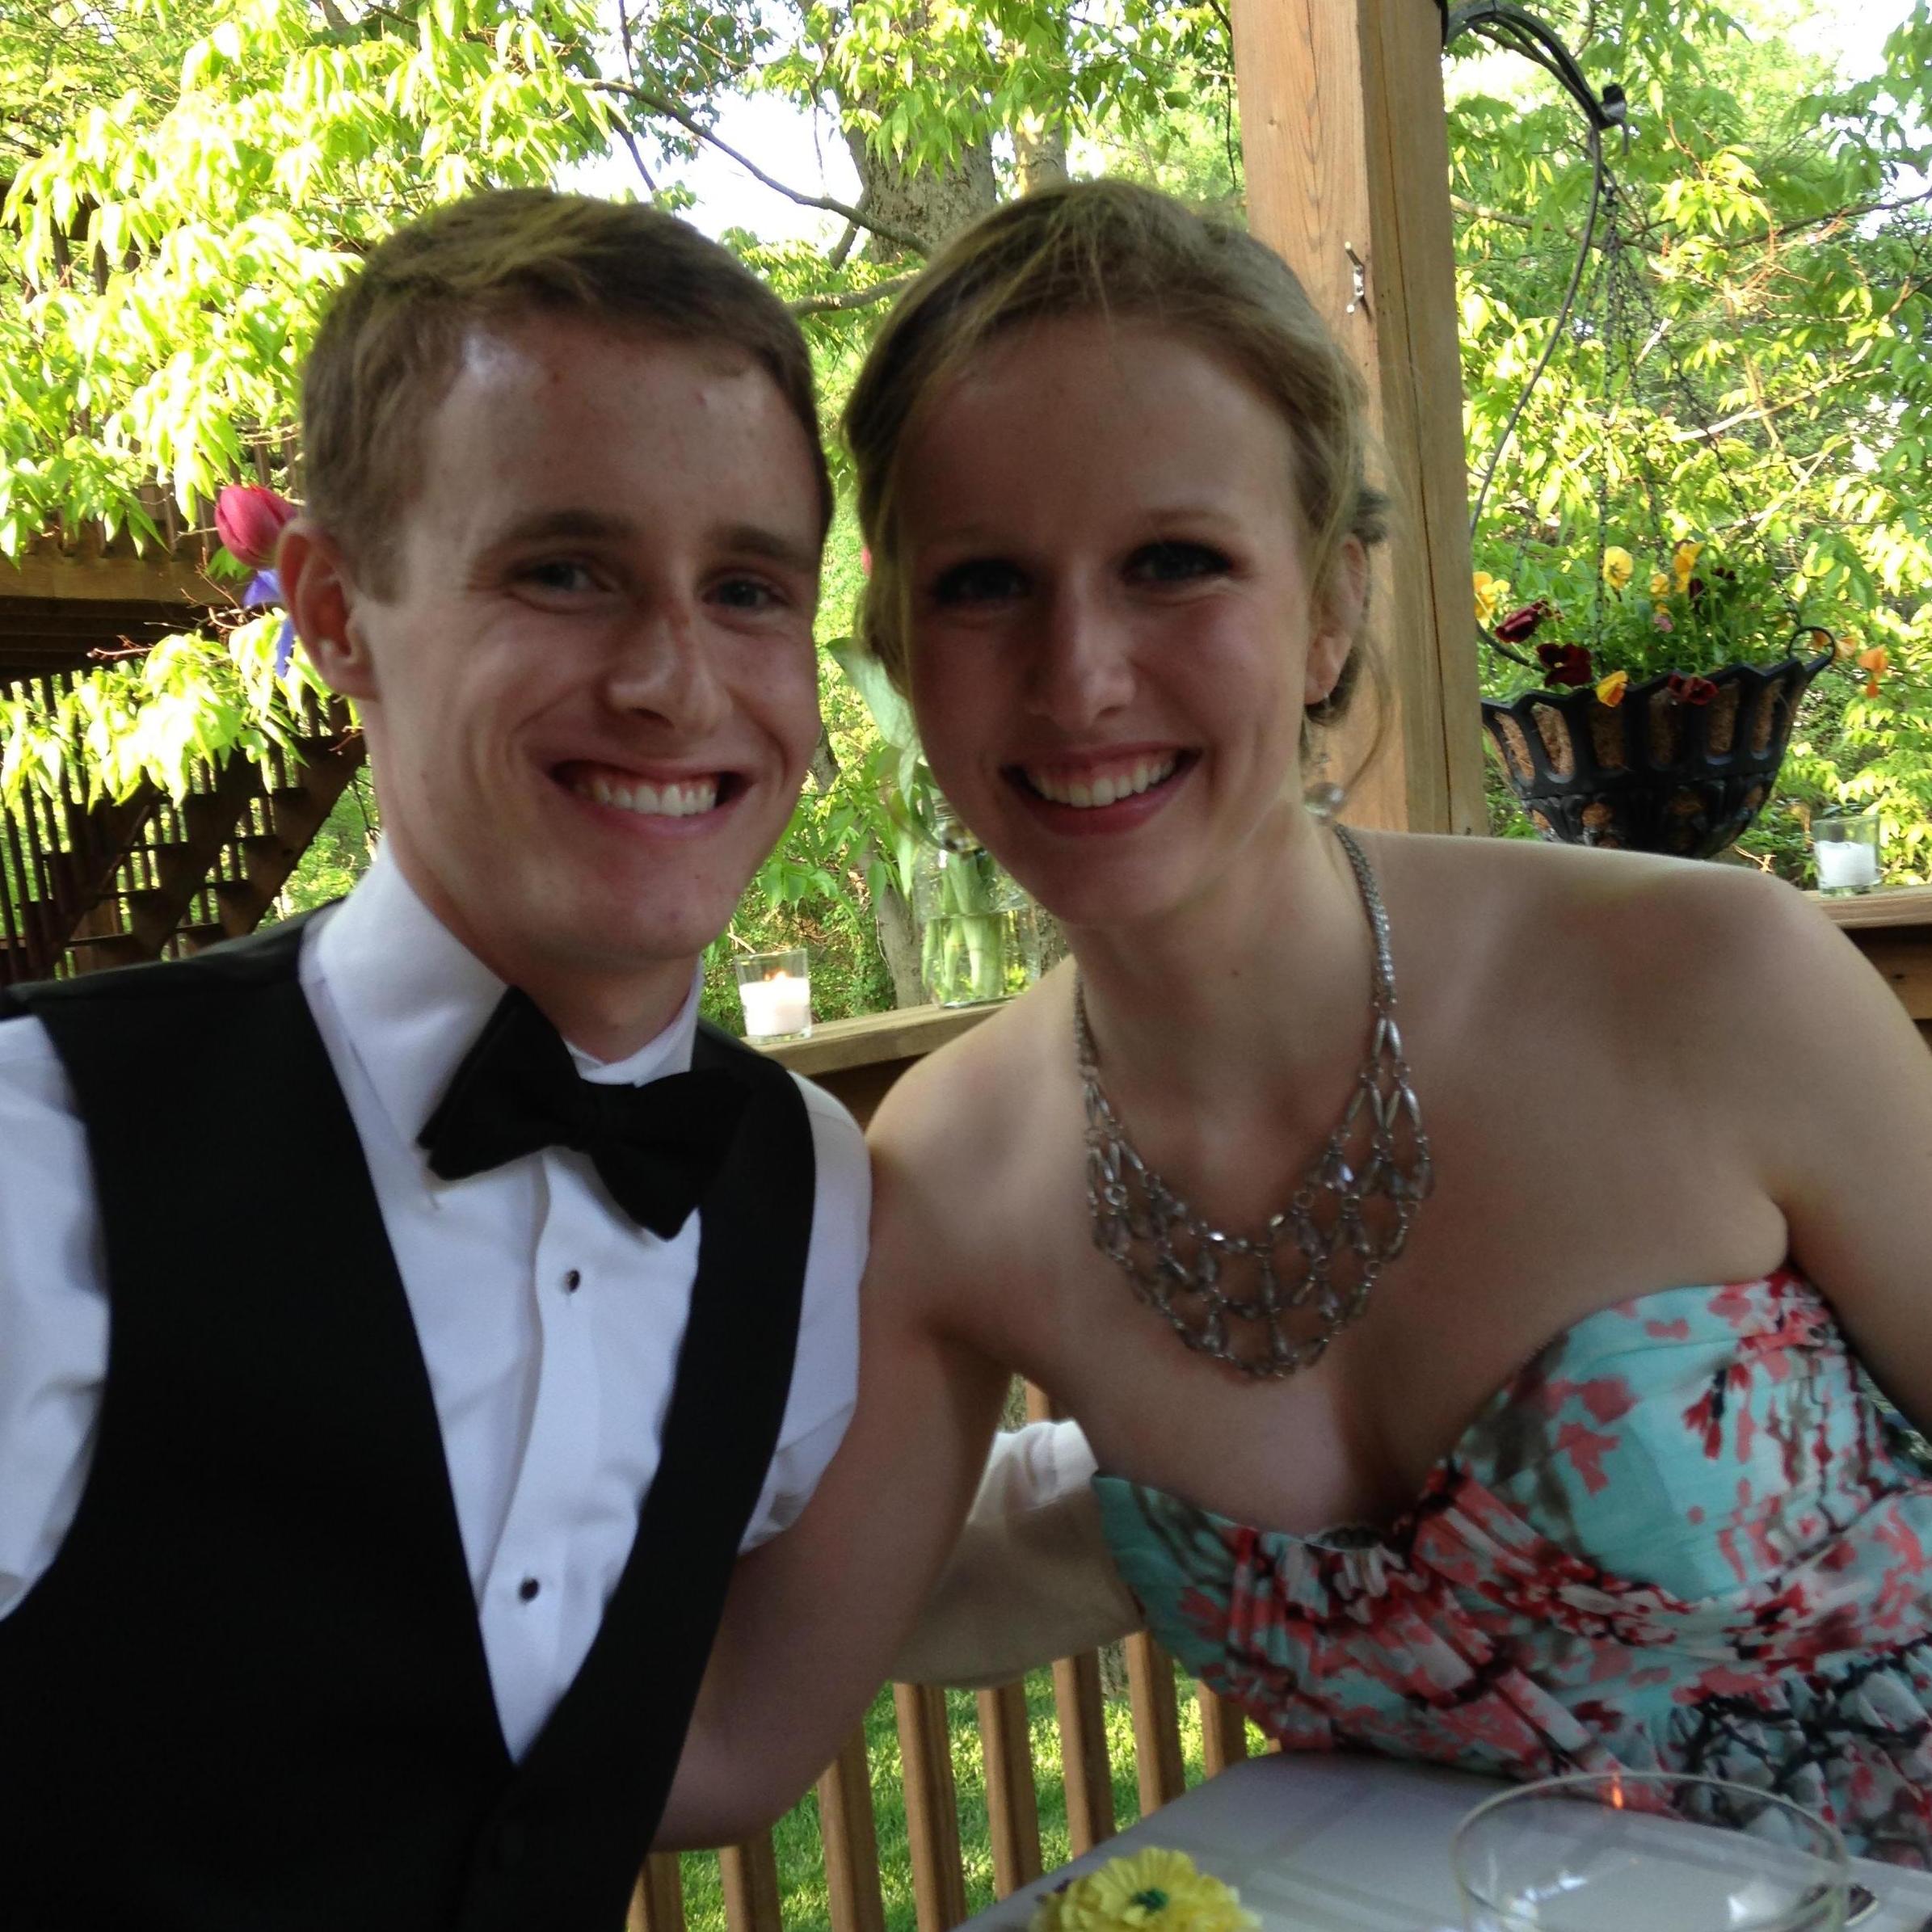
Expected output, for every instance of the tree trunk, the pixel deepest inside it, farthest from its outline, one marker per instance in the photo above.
(899, 941)
(1041, 151)
(932, 205)
(891, 916)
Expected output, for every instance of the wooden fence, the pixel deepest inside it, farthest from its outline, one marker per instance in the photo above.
(856, 1903)
(855, 1896)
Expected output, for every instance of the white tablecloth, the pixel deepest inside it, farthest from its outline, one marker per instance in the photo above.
(1353, 1844)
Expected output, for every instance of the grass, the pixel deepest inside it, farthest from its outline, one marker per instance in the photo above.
(800, 1855)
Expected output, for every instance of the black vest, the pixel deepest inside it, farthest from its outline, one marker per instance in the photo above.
(250, 1694)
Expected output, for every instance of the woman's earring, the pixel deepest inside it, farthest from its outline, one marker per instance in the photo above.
(1323, 798)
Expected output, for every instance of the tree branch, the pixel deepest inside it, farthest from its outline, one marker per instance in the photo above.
(636, 156)
(852, 298)
(655, 103)
(844, 249)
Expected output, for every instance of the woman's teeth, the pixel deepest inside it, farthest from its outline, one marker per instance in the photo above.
(1108, 788)
(653, 801)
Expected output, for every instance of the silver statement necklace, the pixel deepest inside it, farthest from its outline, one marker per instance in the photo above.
(1269, 1304)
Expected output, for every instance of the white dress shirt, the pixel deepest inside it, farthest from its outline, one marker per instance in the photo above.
(549, 1323)
(1031, 1579)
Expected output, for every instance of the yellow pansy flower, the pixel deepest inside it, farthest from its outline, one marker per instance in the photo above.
(1660, 584)
(1611, 690)
(1619, 567)
(1490, 592)
(1151, 1891)
(1683, 561)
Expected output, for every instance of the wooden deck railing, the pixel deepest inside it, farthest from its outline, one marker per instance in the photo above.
(855, 1894)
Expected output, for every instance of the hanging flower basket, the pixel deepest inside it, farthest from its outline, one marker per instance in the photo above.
(1679, 764)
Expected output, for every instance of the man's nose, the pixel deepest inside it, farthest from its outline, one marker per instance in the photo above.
(665, 668)
(1081, 665)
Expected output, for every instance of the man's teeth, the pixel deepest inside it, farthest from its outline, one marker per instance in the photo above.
(1108, 788)
(653, 801)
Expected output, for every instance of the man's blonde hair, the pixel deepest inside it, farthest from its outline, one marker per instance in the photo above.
(390, 344)
(1118, 250)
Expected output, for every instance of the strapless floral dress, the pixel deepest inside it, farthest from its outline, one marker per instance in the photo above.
(1689, 1533)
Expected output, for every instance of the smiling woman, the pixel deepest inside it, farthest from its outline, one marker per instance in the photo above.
(1042, 608)
(1474, 1265)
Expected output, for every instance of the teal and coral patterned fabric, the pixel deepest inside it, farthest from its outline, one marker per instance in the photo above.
(1690, 1534)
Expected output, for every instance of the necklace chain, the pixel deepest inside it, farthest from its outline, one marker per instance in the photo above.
(1269, 1304)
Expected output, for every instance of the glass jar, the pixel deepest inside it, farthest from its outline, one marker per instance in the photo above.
(981, 937)
(1035, 942)
(964, 926)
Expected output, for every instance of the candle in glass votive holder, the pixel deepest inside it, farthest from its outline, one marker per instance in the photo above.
(1846, 848)
(776, 991)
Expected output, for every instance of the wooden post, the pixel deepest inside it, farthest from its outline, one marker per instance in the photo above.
(1224, 1732)
(1083, 1719)
(1012, 1803)
(1157, 1763)
(750, 1872)
(1346, 150)
(932, 1807)
(851, 1838)
(658, 1904)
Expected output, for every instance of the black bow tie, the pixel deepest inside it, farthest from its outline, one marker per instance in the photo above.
(656, 1148)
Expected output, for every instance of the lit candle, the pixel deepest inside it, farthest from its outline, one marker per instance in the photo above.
(781, 1003)
(1847, 865)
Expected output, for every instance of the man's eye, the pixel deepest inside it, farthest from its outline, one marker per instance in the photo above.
(745, 593)
(1176, 562)
(559, 575)
(982, 580)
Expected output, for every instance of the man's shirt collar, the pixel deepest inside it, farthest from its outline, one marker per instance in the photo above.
(412, 999)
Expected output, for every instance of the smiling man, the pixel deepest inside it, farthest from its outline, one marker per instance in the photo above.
(407, 1316)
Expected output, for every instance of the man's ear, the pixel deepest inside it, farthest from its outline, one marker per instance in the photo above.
(1337, 619)
(320, 596)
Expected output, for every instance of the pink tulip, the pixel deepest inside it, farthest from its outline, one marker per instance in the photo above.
(249, 521)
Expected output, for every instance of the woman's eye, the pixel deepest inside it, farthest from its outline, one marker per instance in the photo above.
(982, 580)
(1174, 562)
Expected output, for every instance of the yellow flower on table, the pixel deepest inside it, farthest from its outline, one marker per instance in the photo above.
(1151, 1891)
(1611, 690)
(1619, 567)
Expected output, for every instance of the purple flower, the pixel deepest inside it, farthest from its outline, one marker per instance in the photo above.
(1522, 623)
(1565, 663)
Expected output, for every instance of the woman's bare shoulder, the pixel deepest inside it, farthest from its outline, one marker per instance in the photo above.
(1607, 917)
(1714, 967)
(961, 1100)
(950, 1137)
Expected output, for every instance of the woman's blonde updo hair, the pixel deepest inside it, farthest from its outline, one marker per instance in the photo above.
(1122, 251)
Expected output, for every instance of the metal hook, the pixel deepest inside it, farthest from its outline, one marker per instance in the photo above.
(1360, 299)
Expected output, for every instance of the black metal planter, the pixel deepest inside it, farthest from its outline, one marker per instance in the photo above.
(1654, 773)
